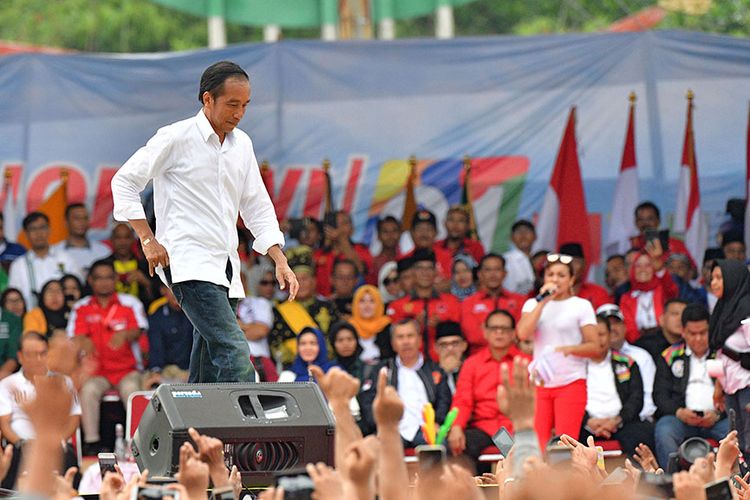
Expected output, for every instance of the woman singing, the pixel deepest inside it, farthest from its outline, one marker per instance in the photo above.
(563, 328)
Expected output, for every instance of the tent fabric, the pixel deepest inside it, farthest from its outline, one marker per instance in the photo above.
(368, 106)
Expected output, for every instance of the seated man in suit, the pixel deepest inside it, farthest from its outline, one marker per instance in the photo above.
(615, 397)
(683, 389)
(417, 379)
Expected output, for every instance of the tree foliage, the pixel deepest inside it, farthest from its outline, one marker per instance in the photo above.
(142, 26)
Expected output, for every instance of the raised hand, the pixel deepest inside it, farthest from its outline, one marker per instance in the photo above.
(337, 385)
(193, 472)
(211, 452)
(517, 400)
(645, 458)
(387, 407)
(327, 481)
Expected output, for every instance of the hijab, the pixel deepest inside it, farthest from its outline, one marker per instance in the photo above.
(641, 286)
(368, 328)
(387, 269)
(457, 291)
(345, 362)
(734, 304)
(300, 367)
(56, 319)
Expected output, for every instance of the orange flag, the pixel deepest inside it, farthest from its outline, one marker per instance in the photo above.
(54, 208)
(410, 204)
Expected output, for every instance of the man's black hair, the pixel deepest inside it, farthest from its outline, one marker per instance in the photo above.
(489, 256)
(501, 312)
(32, 218)
(31, 335)
(648, 205)
(695, 312)
(346, 262)
(72, 207)
(522, 223)
(387, 218)
(615, 256)
(101, 263)
(675, 301)
(214, 76)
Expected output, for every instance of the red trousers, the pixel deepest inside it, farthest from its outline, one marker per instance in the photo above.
(561, 409)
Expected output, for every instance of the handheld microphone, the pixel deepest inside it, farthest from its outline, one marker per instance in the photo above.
(545, 294)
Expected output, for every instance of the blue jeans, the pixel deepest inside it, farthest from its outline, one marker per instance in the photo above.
(220, 352)
(670, 432)
(738, 401)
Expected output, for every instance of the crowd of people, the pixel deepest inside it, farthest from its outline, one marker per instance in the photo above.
(655, 356)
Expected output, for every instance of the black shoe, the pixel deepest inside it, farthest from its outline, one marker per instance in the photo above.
(92, 449)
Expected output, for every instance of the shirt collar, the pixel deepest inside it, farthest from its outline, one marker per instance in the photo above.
(689, 352)
(420, 362)
(513, 351)
(206, 130)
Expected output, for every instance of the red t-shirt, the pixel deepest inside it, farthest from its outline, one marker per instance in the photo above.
(476, 307)
(325, 259)
(597, 295)
(476, 391)
(443, 305)
(443, 260)
(470, 247)
(100, 324)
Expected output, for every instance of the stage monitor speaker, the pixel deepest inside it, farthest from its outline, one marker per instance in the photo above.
(265, 427)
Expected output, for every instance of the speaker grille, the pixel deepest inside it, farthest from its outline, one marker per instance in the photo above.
(262, 456)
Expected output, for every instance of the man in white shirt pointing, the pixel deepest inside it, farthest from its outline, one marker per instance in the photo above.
(205, 172)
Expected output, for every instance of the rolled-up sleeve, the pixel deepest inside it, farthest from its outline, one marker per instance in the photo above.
(258, 212)
(135, 173)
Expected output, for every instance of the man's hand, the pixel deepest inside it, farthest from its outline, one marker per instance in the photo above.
(719, 402)
(387, 407)
(517, 400)
(118, 339)
(211, 452)
(729, 452)
(709, 419)
(193, 472)
(456, 440)
(328, 482)
(155, 254)
(688, 486)
(337, 385)
(360, 459)
(688, 417)
(284, 274)
(50, 410)
(5, 460)
(645, 458)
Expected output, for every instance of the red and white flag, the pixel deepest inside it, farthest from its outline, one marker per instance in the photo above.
(747, 182)
(689, 219)
(622, 224)
(564, 218)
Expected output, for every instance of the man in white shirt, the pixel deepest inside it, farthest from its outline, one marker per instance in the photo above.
(81, 249)
(205, 172)
(417, 379)
(683, 389)
(18, 389)
(42, 263)
(520, 273)
(645, 362)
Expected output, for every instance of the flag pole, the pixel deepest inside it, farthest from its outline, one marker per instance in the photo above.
(410, 202)
(468, 206)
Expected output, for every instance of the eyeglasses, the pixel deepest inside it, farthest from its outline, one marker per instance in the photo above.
(265, 282)
(559, 257)
(501, 329)
(390, 281)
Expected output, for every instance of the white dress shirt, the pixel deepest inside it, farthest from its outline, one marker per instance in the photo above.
(200, 185)
(412, 392)
(85, 256)
(15, 385)
(647, 367)
(519, 276)
(30, 272)
(257, 310)
(602, 399)
(699, 393)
